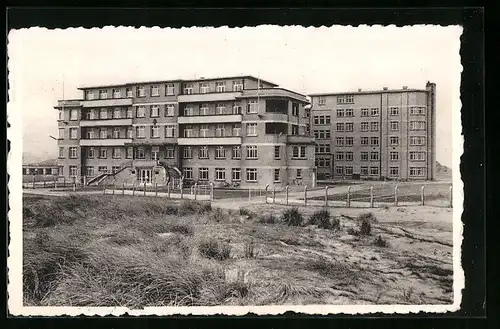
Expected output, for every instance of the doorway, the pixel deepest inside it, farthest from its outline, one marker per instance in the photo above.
(145, 176)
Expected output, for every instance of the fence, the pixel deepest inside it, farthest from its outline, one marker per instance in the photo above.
(439, 195)
(50, 182)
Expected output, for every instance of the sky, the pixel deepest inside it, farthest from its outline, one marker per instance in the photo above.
(306, 60)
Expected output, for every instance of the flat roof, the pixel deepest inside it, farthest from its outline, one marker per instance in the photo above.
(175, 80)
(366, 92)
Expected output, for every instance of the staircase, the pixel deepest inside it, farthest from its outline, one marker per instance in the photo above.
(168, 168)
(100, 178)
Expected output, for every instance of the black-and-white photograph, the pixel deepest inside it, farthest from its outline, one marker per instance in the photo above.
(226, 170)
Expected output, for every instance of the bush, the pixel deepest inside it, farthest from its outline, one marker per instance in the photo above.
(214, 249)
(245, 212)
(381, 242)
(218, 215)
(249, 249)
(352, 231)
(322, 219)
(365, 227)
(367, 216)
(268, 219)
(182, 229)
(292, 217)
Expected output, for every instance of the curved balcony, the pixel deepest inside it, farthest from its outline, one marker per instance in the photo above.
(209, 97)
(275, 116)
(210, 119)
(273, 92)
(107, 102)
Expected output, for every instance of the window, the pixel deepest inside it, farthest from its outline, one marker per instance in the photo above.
(236, 108)
(140, 132)
(103, 94)
(61, 115)
(340, 126)
(295, 130)
(129, 93)
(130, 133)
(141, 112)
(204, 130)
(61, 152)
(203, 174)
(88, 115)
(236, 152)
(374, 171)
(374, 156)
(169, 110)
(89, 95)
(89, 171)
(155, 90)
(349, 141)
(364, 112)
(251, 129)
(220, 152)
(321, 119)
(203, 152)
(394, 140)
(364, 140)
(394, 156)
(349, 156)
(394, 126)
(321, 101)
(188, 152)
(393, 110)
(117, 113)
(103, 114)
(116, 132)
(73, 171)
(339, 170)
(298, 173)
(374, 112)
(251, 175)
(252, 107)
(220, 87)
(236, 174)
(73, 115)
(417, 140)
(60, 170)
(322, 148)
(188, 111)
(90, 153)
(348, 170)
(187, 173)
(349, 127)
(140, 153)
(204, 108)
(188, 131)
(140, 91)
(116, 94)
(339, 156)
(115, 169)
(277, 152)
(299, 151)
(103, 153)
(116, 153)
(236, 130)
(251, 152)
(237, 85)
(417, 125)
(169, 152)
(295, 109)
(61, 133)
(374, 141)
(323, 163)
(155, 111)
(155, 131)
(219, 130)
(170, 89)
(340, 113)
(73, 152)
(417, 171)
(220, 109)
(393, 171)
(364, 171)
(188, 89)
(128, 152)
(155, 152)
(417, 156)
(345, 99)
(204, 88)
(417, 110)
(365, 126)
(277, 178)
(322, 134)
(339, 141)
(220, 174)
(129, 113)
(373, 126)
(364, 156)
(349, 112)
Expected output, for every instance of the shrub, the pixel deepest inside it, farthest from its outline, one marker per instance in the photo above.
(249, 249)
(182, 229)
(365, 227)
(381, 242)
(293, 217)
(245, 212)
(214, 249)
(352, 231)
(268, 219)
(218, 215)
(322, 219)
(367, 216)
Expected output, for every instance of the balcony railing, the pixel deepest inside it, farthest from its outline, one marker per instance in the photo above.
(210, 119)
(231, 140)
(273, 92)
(209, 97)
(107, 102)
(105, 122)
(105, 141)
(69, 103)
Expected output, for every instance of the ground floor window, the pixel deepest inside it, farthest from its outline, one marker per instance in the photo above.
(236, 174)
(373, 170)
(220, 174)
(364, 171)
(339, 170)
(140, 153)
(417, 171)
(348, 170)
(251, 175)
(188, 173)
(155, 150)
(394, 171)
(115, 168)
(89, 171)
(169, 153)
(61, 170)
(203, 174)
(277, 178)
(128, 153)
(299, 173)
(73, 171)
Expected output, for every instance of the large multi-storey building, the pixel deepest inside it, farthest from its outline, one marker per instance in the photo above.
(239, 131)
(376, 134)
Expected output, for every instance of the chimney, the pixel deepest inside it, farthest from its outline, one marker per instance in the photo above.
(405, 87)
(385, 88)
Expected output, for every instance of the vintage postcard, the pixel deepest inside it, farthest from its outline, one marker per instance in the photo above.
(232, 170)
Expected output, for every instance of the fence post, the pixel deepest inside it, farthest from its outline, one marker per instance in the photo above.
(103, 188)
(133, 188)
(286, 195)
(156, 189)
(305, 195)
(249, 193)
(274, 193)
(144, 188)
(168, 189)
(422, 195)
(113, 188)
(55, 182)
(451, 196)
(74, 187)
(211, 191)
(33, 181)
(371, 196)
(326, 196)
(123, 188)
(182, 191)
(348, 197)
(267, 186)
(195, 190)
(84, 180)
(396, 196)
(64, 181)
(44, 183)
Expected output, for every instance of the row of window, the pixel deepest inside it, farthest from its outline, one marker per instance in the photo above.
(375, 171)
(140, 91)
(342, 99)
(374, 126)
(364, 141)
(369, 156)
